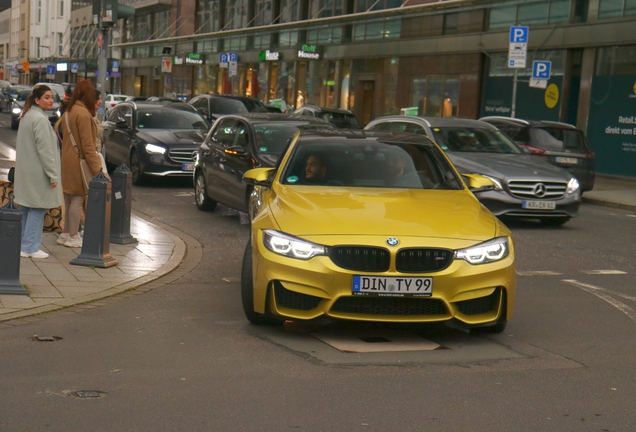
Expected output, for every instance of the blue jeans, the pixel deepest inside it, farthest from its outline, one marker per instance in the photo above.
(32, 225)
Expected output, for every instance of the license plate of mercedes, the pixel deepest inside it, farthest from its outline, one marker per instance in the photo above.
(187, 167)
(566, 160)
(392, 286)
(539, 205)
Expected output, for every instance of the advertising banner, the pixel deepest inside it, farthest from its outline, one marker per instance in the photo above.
(532, 103)
(611, 126)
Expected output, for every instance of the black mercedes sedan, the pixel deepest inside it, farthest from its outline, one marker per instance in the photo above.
(238, 143)
(153, 139)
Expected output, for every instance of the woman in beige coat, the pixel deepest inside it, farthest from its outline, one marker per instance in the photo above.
(79, 113)
(37, 170)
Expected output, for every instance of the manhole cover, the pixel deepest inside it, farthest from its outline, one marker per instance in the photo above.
(88, 394)
(374, 340)
(45, 338)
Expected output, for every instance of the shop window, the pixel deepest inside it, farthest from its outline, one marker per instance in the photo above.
(580, 10)
(617, 60)
(502, 17)
(451, 22)
(535, 13)
(287, 38)
(236, 44)
(559, 11)
(262, 41)
(436, 96)
(209, 46)
(392, 28)
(498, 63)
(616, 8)
(374, 30)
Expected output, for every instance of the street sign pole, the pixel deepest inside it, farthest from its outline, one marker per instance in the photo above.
(102, 64)
(514, 94)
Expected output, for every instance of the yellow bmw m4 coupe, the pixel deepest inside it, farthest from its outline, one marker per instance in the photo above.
(356, 226)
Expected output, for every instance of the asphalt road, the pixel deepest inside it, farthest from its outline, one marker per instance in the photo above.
(183, 357)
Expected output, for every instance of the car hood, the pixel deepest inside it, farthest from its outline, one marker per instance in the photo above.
(507, 166)
(314, 210)
(172, 137)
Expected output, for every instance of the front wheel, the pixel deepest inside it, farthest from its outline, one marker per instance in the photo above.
(204, 203)
(138, 177)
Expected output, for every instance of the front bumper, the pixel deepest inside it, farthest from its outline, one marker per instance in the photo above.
(471, 295)
(500, 203)
(167, 164)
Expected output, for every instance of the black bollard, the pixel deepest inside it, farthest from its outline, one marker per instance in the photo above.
(96, 243)
(10, 239)
(121, 206)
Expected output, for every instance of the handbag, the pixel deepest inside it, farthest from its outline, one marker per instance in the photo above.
(11, 175)
(87, 174)
(53, 219)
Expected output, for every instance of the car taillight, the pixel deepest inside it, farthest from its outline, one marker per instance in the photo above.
(533, 150)
(590, 155)
(112, 104)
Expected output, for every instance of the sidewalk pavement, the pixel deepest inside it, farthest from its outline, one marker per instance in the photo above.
(54, 284)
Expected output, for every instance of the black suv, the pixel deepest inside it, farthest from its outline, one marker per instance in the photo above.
(342, 119)
(561, 144)
(213, 106)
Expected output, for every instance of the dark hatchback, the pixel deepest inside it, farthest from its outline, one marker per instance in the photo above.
(213, 106)
(153, 139)
(341, 119)
(236, 144)
(561, 144)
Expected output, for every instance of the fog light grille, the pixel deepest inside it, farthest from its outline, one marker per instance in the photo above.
(294, 300)
(479, 305)
(389, 306)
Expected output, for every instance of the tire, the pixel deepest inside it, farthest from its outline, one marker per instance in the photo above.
(247, 291)
(138, 177)
(554, 222)
(204, 203)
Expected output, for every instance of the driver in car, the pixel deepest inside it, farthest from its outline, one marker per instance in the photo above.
(316, 168)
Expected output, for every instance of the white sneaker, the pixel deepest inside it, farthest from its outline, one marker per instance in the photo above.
(25, 254)
(39, 254)
(62, 238)
(73, 242)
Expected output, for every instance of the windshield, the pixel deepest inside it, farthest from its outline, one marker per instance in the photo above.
(23, 95)
(162, 118)
(557, 139)
(341, 120)
(474, 140)
(369, 163)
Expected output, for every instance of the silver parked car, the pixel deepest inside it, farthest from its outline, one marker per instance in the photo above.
(524, 185)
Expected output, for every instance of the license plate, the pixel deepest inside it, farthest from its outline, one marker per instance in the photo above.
(187, 167)
(392, 286)
(566, 160)
(540, 205)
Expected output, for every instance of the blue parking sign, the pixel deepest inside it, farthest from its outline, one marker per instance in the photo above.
(541, 69)
(233, 56)
(223, 58)
(519, 34)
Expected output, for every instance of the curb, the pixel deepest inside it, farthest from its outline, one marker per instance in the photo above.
(186, 255)
(610, 204)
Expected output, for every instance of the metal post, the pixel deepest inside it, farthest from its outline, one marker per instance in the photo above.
(11, 239)
(102, 66)
(514, 95)
(121, 207)
(96, 242)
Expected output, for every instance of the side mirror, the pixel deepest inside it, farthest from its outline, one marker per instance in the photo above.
(121, 125)
(259, 177)
(478, 182)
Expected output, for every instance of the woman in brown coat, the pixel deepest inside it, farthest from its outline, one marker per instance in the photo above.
(80, 112)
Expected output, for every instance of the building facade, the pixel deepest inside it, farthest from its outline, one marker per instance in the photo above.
(377, 57)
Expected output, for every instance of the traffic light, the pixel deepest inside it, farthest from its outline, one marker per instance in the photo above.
(110, 11)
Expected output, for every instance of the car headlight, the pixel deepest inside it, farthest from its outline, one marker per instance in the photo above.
(291, 247)
(59, 113)
(496, 181)
(16, 110)
(490, 251)
(155, 149)
(573, 185)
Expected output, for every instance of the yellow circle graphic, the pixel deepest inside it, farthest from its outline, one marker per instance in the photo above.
(551, 95)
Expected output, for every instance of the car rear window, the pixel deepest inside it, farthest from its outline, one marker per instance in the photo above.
(474, 140)
(340, 120)
(157, 118)
(557, 139)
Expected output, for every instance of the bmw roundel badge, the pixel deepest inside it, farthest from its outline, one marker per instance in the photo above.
(392, 241)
